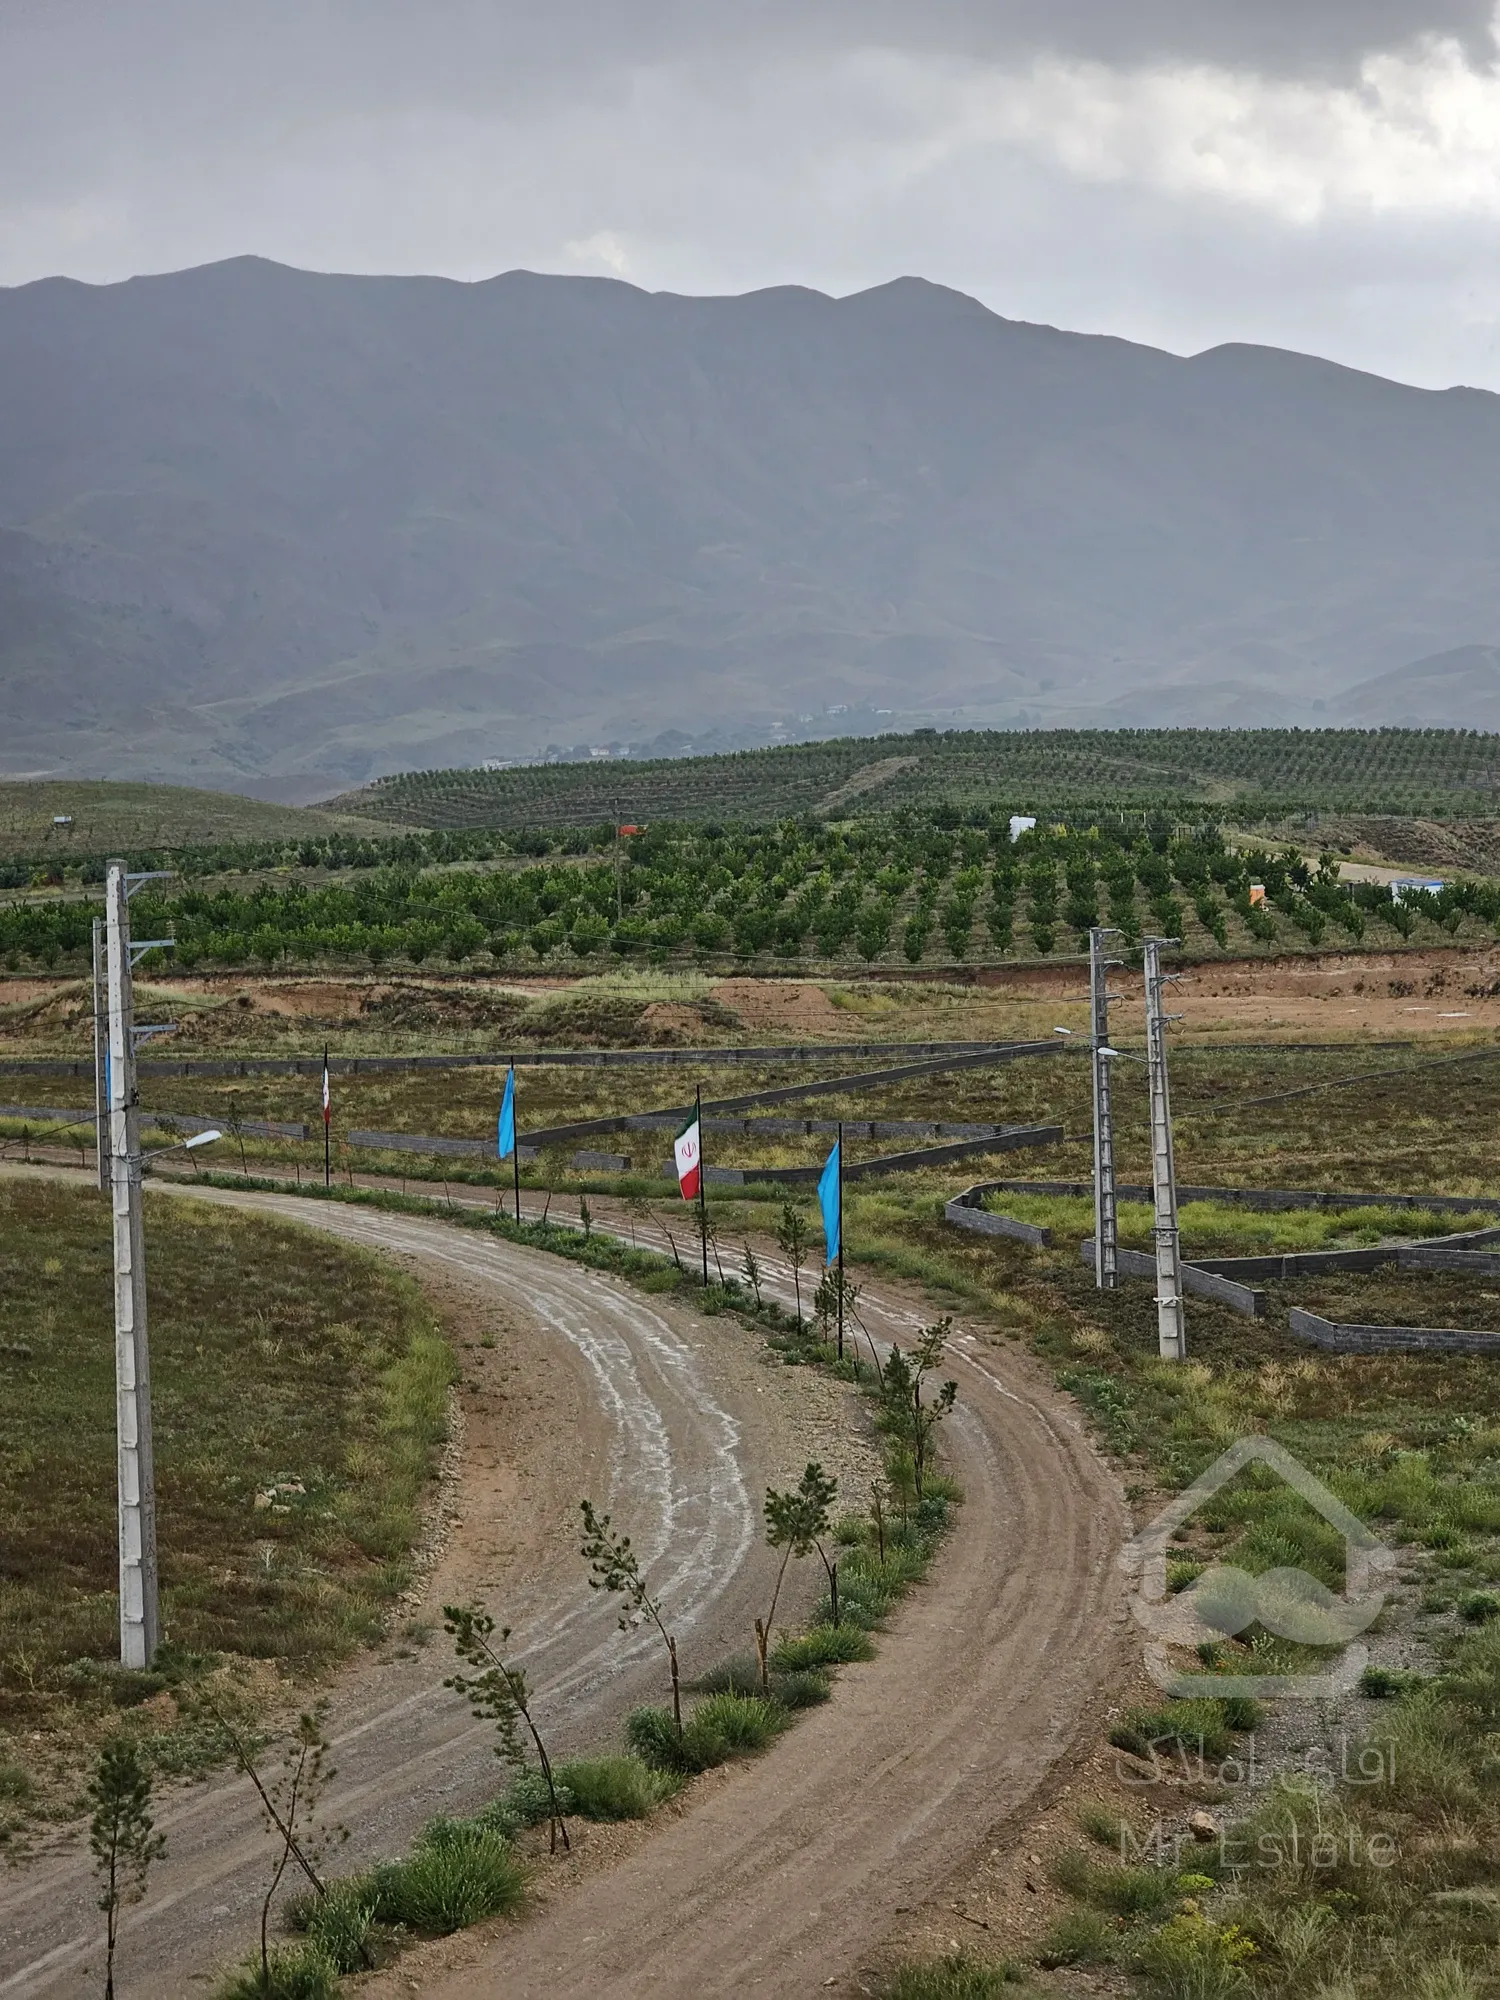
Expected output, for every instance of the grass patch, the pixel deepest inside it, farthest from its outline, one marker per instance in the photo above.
(297, 1972)
(823, 1646)
(299, 1391)
(614, 1788)
(956, 1977)
(459, 1873)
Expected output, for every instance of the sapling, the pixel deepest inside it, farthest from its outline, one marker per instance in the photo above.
(585, 1217)
(234, 1120)
(750, 1265)
(906, 1415)
(498, 1693)
(791, 1239)
(121, 1838)
(877, 1515)
(797, 1522)
(616, 1567)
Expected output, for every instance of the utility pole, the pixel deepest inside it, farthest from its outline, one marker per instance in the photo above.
(140, 1627)
(1171, 1330)
(101, 1060)
(1106, 1221)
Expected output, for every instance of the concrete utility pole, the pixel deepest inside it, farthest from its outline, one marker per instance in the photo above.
(101, 1065)
(1171, 1330)
(1106, 1224)
(139, 1598)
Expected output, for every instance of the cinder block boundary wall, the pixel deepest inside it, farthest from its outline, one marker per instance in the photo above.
(1337, 1338)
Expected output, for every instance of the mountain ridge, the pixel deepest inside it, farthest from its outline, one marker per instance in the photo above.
(293, 529)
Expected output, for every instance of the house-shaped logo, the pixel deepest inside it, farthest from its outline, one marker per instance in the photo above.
(1289, 1603)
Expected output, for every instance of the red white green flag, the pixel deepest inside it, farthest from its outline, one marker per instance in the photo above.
(687, 1148)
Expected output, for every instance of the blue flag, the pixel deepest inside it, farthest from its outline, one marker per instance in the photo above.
(507, 1134)
(828, 1201)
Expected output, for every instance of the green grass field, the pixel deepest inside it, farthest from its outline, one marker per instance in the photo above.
(299, 1392)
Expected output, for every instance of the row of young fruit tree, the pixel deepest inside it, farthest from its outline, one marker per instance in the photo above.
(904, 890)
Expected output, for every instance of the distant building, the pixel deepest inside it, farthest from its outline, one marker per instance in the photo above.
(1021, 823)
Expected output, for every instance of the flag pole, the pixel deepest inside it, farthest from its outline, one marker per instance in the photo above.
(841, 1239)
(327, 1124)
(702, 1177)
(515, 1143)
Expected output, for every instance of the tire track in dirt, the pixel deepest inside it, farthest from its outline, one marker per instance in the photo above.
(783, 1883)
(784, 1880)
(674, 1470)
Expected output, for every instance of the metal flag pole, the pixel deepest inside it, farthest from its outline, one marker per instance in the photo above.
(841, 1240)
(139, 1594)
(1171, 1327)
(702, 1178)
(327, 1123)
(515, 1143)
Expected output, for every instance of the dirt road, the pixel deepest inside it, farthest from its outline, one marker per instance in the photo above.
(782, 1879)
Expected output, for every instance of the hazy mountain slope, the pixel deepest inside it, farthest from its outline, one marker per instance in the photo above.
(1458, 689)
(261, 523)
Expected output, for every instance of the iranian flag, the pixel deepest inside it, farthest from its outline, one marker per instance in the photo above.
(687, 1149)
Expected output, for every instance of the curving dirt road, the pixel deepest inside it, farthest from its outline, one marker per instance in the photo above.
(782, 1880)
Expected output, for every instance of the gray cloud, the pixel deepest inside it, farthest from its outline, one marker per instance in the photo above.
(722, 144)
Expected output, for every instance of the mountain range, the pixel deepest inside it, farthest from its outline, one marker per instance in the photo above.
(279, 531)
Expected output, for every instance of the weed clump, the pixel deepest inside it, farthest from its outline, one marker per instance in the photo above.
(615, 1788)
(823, 1646)
(956, 1977)
(295, 1972)
(459, 1873)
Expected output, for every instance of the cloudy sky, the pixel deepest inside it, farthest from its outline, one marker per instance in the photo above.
(1322, 174)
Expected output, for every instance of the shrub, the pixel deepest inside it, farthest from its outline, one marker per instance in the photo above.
(1079, 1937)
(743, 1723)
(957, 1977)
(1200, 1727)
(612, 1788)
(804, 1688)
(1127, 1892)
(339, 1923)
(652, 1735)
(824, 1646)
(1192, 1958)
(459, 1873)
(1102, 1825)
(298, 1972)
(1387, 1683)
(524, 1802)
(1478, 1607)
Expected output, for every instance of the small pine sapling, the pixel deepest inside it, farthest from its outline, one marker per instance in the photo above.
(906, 1415)
(585, 1217)
(877, 1515)
(615, 1567)
(234, 1120)
(498, 1693)
(797, 1522)
(750, 1266)
(291, 1803)
(792, 1241)
(121, 1838)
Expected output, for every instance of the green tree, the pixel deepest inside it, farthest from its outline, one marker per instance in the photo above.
(792, 1241)
(797, 1522)
(910, 1418)
(498, 1693)
(121, 1837)
(614, 1566)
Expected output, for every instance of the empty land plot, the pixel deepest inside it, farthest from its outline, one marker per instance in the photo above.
(299, 1391)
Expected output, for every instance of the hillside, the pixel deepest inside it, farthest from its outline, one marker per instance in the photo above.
(126, 818)
(1440, 774)
(279, 531)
